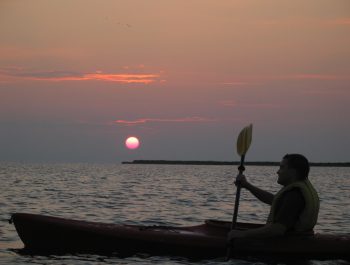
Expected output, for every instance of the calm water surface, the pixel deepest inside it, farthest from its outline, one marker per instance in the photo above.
(150, 195)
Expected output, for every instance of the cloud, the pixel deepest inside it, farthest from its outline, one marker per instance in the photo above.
(340, 22)
(317, 77)
(156, 120)
(57, 76)
(236, 104)
(247, 80)
(302, 22)
(11, 52)
(299, 76)
(235, 83)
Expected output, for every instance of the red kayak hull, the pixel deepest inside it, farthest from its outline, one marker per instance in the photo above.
(45, 234)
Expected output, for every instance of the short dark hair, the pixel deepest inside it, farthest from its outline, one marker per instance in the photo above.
(299, 163)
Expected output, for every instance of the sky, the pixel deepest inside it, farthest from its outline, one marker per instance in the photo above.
(183, 76)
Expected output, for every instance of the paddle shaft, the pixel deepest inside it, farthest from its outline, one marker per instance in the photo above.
(238, 194)
(235, 211)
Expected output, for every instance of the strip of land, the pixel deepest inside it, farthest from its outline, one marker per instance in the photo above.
(223, 163)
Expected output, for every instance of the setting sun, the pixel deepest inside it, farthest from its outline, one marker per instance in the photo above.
(132, 143)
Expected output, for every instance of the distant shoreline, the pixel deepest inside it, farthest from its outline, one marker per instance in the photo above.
(224, 163)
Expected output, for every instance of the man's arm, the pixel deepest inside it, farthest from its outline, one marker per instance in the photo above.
(262, 195)
(292, 204)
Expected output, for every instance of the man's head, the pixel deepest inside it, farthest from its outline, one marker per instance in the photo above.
(293, 167)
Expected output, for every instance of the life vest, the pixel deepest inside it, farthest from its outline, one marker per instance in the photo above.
(308, 217)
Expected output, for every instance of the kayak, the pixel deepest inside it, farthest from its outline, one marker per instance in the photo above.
(46, 234)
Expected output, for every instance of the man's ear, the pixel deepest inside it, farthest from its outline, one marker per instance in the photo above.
(294, 173)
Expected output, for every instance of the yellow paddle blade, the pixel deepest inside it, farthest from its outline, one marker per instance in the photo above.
(244, 140)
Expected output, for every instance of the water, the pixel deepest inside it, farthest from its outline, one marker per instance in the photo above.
(150, 195)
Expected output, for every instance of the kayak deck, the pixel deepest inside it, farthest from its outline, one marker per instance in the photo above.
(45, 234)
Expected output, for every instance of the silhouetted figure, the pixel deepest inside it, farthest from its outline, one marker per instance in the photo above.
(294, 209)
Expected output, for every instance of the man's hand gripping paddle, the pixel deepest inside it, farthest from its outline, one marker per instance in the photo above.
(243, 143)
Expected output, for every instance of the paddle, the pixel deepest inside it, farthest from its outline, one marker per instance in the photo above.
(243, 142)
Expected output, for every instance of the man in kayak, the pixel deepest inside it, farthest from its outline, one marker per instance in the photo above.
(294, 209)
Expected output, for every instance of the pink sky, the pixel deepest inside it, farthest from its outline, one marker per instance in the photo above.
(77, 78)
